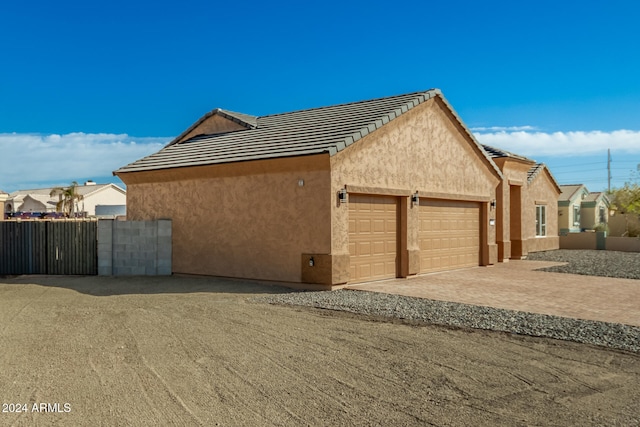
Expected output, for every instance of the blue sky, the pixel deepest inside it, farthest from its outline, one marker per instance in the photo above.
(86, 87)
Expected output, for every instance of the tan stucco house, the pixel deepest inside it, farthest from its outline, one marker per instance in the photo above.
(370, 190)
(581, 210)
(527, 216)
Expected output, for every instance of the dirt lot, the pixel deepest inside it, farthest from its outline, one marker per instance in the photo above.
(191, 351)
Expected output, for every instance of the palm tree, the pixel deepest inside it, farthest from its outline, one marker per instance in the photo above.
(68, 198)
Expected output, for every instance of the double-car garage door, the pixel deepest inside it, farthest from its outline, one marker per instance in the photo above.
(449, 236)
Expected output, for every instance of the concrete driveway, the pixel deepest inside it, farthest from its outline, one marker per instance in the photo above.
(516, 285)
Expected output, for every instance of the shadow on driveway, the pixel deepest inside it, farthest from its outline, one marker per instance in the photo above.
(146, 285)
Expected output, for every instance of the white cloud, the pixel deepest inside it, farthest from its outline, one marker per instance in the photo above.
(532, 144)
(37, 160)
(503, 129)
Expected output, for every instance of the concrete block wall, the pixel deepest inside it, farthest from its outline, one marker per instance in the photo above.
(128, 248)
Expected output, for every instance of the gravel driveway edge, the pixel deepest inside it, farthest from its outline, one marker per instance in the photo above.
(611, 335)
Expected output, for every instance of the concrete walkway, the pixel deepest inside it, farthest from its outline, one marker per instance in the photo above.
(516, 285)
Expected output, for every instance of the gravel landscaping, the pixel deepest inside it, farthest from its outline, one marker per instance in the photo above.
(597, 263)
(612, 335)
(624, 265)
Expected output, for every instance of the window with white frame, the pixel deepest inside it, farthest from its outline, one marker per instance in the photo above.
(576, 215)
(541, 220)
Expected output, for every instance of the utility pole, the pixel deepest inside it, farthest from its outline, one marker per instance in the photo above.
(609, 168)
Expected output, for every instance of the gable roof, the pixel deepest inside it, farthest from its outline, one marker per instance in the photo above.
(596, 195)
(570, 191)
(532, 173)
(315, 131)
(41, 198)
(245, 120)
(496, 153)
(538, 169)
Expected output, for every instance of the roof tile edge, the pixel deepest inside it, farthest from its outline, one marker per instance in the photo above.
(420, 98)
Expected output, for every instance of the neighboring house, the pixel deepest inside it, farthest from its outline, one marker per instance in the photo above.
(3, 197)
(40, 200)
(595, 210)
(370, 190)
(527, 210)
(580, 210)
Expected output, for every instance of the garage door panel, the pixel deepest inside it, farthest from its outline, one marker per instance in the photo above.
(379, 226)
(372, 237)
(449, 235)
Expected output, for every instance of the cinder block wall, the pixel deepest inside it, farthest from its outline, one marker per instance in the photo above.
(127, 248)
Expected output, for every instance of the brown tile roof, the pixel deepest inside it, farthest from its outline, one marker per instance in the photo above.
(306, 132)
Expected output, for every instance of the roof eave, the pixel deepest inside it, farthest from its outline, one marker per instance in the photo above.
(329, 150)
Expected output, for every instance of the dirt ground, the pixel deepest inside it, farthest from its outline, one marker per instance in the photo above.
(194, 351)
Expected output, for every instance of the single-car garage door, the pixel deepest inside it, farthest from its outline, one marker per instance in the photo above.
(372, 237)
(449, 235)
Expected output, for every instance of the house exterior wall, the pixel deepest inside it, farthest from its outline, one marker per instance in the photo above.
(567, 216)
(541, 191)
(5, 208)
(106, 196)
(248, 220)
(564, 216)
(509, 226)
(31, 205)
(590, 213)
(423, 150)
(567, 222)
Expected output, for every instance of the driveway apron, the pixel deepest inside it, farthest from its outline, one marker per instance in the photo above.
(517, 285)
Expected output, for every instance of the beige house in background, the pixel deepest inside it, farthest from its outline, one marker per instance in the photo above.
(595, 210)
(527, 218)
(580, 210)
(40, 200)
(370, 190)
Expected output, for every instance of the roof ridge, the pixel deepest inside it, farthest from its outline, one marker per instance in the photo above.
(504, 153)
(229, 115)
(239, 118)
(378, 123)
(351, 103)
(537, 169)
(333, 127)
(534, 171)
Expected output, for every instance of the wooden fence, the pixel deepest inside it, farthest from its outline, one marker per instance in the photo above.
(48, 247)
